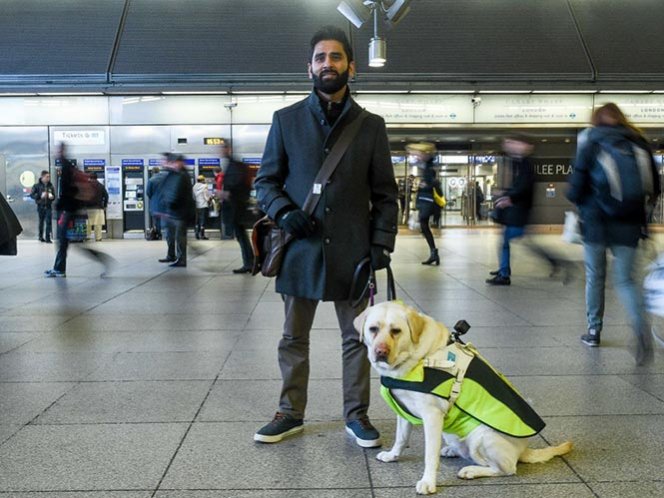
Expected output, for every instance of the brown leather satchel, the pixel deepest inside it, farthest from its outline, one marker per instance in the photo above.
(267, 239)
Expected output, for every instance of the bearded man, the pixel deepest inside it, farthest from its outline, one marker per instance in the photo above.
(355, 219)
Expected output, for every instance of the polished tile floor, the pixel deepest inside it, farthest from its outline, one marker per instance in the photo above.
(152, 381)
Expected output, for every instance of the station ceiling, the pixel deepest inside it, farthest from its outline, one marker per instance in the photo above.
(145, 46)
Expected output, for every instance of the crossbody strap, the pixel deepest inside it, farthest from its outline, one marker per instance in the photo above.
(331, 162)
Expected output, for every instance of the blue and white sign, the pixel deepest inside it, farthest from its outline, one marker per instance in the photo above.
(132, 162)
(94, 162)
(209, 161)
(154, 162)
(190, 162)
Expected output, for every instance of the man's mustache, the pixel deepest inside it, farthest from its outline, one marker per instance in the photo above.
(323, 73)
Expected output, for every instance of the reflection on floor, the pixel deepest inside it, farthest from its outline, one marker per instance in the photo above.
(152, 381)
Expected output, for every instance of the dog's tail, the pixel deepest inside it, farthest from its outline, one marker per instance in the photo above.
(532, 455)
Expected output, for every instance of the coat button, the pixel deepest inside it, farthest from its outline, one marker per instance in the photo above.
(327, 209)
(327, 150)
(322, 122)
(327, 240)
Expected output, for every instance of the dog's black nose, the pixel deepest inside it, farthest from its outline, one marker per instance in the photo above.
(381, 356)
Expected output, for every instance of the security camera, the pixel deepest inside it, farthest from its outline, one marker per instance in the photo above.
(476, 100)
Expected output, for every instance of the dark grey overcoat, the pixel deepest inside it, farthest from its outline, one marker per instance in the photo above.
(358, 207)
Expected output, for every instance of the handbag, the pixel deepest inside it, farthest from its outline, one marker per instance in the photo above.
(268, 241)
(439, 199)
(572, 228)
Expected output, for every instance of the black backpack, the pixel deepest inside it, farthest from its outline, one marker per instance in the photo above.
(622, 177)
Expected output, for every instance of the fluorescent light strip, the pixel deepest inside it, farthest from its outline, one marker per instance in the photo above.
(486, 92)
(218, 92)
(244, 92)
(564, 91)
(624, 91)
(18, 94)
(383, 91)
(442, 91)
(69, 94)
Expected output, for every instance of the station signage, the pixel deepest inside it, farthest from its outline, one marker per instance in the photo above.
(637, 108)
(544, 109)
(419, 108)
(80, 137)
(94, 162)
(154, 162)
(132, 162)
(552, 169)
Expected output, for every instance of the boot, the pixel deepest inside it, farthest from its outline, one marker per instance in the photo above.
(433, 258)
(203, 234)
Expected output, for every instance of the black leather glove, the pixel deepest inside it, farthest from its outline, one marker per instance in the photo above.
(380, 257)
(297, 223)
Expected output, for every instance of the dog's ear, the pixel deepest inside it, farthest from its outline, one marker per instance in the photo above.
(416, 323)
(358, 323)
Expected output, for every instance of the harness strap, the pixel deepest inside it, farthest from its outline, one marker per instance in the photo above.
(455, 360)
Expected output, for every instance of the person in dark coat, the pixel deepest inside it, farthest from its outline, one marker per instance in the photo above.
(424, 202)
(237, 188)
(66, 206)
(10, 228)
(514, 203)
(601, 231)
(177, 209)
(152, 191)
(355, 219)
(43, 194)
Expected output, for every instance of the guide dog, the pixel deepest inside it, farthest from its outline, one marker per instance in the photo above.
(400, 340)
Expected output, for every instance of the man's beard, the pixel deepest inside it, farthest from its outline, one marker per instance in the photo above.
(330, 86)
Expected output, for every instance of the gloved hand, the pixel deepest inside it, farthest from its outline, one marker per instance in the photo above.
(297, 223)
(380, 257)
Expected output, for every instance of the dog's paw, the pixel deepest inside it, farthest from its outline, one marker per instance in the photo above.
(473, 472)
(425, 487)
(387, 456)
(448, 452)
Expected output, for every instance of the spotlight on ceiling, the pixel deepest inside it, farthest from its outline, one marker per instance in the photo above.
(377, 52)
(391, 12)
(356, 11)
(397, 11)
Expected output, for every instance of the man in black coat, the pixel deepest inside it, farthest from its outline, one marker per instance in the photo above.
(514, 203)
(237, 188)
(356, 218)
(177, 209)
(43, 194)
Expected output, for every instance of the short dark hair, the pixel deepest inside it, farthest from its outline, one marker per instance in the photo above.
(44, 172)
(331, 33)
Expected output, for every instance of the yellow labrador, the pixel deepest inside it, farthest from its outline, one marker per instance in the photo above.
(400, 343)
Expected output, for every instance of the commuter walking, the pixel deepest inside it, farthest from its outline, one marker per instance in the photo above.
(202, 198)
(237, 187)
(152, 191)
(177, 209)
(43, 194)
(96, 214)
(10, 229)
(424, 201)
(514, 202)
(355, 218)
(479, 199)
(613, 183)
(66, 205)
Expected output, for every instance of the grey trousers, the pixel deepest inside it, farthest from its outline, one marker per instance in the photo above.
(176, 239)
(294, 358)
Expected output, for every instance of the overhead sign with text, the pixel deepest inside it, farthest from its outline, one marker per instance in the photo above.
(637, 108)
(419, 108)
(543, 109)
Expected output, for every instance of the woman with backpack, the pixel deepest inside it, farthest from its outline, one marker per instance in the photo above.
(613, 184)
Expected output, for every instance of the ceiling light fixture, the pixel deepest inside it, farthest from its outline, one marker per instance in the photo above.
(359, 12)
